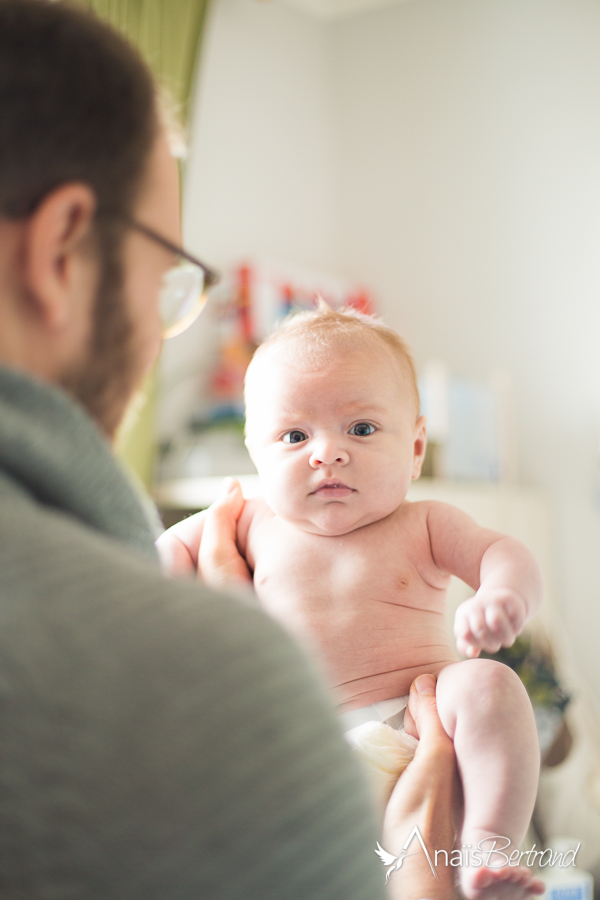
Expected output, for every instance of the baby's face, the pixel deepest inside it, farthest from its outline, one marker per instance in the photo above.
(337, 442)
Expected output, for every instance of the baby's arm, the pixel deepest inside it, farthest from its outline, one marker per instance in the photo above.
(178, 546)
(499, 568)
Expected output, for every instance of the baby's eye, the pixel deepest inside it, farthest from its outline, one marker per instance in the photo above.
(294, 437)
(362, 429)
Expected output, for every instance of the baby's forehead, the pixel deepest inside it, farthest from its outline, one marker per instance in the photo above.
(315, 351)
(282, 362)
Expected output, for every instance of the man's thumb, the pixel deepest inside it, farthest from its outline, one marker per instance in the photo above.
(425, 685)
(422, 704)
(230, 495)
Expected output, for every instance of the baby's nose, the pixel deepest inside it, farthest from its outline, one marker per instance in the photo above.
(326, 453)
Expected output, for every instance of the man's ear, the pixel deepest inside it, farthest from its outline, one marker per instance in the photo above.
(56, 267)
(419, 446)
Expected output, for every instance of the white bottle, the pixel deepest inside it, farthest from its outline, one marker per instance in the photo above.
(567, 881)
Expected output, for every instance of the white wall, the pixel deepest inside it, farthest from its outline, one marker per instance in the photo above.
(469, 190)
(259, 178)
(447, 154)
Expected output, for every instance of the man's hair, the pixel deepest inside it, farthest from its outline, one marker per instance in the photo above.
(77, 104)
(324, 330)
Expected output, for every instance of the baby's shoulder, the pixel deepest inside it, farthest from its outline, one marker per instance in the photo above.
(426, 509)
(255, 509)
(415, 512)
(424, 517)
(443, 522)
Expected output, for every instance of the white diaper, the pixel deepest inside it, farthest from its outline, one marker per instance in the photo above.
(389, 711)
(377, 735)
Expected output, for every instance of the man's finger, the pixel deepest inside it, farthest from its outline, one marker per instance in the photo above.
(230, 496)
(220, 561)
(423, 709)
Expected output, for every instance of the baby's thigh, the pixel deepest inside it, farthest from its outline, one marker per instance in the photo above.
(477, 694)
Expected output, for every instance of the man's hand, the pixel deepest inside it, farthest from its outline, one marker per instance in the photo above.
(205, 544)
(491, 619)
(219, 561)
(426, 795)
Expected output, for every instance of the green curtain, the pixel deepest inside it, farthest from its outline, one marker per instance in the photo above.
(167, 33)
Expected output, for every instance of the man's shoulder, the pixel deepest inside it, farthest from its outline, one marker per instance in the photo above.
(45, 535)
(67, 585)
(47, 553)
(168, 709)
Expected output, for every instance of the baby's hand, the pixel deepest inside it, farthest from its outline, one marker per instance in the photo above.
(491, 619)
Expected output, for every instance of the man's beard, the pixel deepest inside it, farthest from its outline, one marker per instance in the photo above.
(107, 379)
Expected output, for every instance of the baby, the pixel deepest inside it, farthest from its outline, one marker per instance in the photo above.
(347, 564)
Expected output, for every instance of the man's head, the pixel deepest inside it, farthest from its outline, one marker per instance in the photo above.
(333, 421)
(81, 150)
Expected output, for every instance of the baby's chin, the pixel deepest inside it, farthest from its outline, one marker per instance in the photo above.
(328, 529)
(333, 520)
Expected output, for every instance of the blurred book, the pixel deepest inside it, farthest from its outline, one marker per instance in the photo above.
(469, 426)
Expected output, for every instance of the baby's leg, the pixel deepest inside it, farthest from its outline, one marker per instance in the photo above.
(486, 711)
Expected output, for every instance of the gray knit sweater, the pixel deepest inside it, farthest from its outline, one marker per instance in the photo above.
(157, 740)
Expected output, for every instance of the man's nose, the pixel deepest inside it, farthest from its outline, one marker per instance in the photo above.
(328, 452)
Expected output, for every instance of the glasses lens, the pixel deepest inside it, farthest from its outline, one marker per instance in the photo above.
(182, 298)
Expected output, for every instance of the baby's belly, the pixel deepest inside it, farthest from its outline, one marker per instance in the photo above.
(372, 650)
(377, 664)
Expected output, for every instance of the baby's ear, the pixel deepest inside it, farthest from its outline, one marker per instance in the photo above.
(248, 444)
(419, 446)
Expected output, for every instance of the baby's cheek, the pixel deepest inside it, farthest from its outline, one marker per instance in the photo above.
(279, 494)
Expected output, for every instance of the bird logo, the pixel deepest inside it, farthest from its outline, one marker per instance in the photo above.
(395, 862)
(388, 859)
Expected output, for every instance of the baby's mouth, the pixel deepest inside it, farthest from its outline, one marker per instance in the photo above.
(333, 489)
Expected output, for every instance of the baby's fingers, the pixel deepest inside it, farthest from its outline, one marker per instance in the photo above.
(484, 638)
(472, 631)
(500, 626)
(466, 641)
(477, 627)
(467, 649)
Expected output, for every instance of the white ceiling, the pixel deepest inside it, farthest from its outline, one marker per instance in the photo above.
(337, 9)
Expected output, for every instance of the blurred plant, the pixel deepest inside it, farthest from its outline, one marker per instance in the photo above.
(535, 668)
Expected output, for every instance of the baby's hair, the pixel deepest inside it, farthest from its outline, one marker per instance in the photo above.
(324, 328)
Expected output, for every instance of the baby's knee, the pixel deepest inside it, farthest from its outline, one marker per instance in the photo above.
(493, 677)
(482, 686)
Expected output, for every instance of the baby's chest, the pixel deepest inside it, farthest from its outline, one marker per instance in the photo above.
(324, 575)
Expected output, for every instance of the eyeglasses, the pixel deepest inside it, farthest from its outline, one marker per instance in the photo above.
(183, 294)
